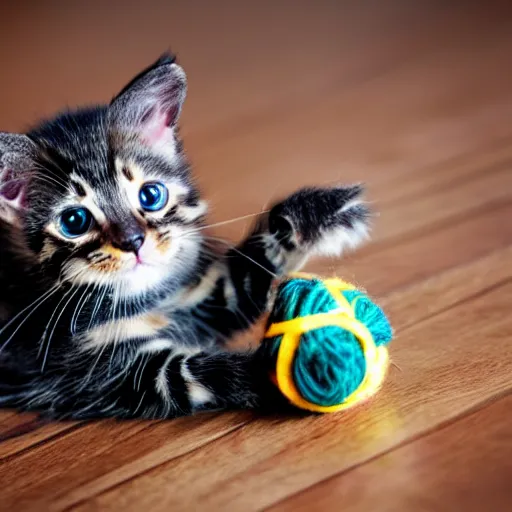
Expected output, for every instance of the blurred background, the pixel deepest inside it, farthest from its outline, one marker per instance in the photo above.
(401, 95)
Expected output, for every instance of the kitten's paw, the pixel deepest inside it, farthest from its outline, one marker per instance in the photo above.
(321, 221)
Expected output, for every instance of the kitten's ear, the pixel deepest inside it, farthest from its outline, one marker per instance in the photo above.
(16, 164)
(150, 104)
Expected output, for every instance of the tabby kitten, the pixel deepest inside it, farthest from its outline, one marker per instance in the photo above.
(114, 302)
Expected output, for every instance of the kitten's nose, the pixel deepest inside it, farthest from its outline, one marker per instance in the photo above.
(131, 244)
(128, 240)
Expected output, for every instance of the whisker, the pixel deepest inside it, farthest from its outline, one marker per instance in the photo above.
(89, 374)
(50, 177)
(40, 300)
(47, 172)
(233, 248)
(222, 223)
(79, 307)
(43, 337)
(97, 305)
(115, 299)
(140, 369)
(53, 330)
(99, 301)
(45, 332)
(51, 181)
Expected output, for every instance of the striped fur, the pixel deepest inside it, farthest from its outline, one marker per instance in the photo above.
(90, 331)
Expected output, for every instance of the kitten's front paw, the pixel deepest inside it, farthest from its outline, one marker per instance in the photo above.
(321, 221)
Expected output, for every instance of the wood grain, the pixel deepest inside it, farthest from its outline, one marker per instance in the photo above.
(467, 463)
(101, 454)
(19, 432)
(412, 98)
(448, 368)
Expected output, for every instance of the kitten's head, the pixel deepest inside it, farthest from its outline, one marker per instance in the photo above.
(104, 195)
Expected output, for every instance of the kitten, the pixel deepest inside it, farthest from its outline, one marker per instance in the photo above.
(115, 303)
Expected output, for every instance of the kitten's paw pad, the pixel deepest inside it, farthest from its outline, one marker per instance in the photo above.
(321, 221)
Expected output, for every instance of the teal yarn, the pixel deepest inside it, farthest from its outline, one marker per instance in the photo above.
(329, 364)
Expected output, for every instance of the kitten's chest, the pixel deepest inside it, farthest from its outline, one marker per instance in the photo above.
(182, 326)
(144, 326)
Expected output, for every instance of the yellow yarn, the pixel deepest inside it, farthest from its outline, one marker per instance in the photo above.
(377, 360)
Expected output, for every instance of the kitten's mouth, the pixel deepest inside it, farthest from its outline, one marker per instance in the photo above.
(139, 262)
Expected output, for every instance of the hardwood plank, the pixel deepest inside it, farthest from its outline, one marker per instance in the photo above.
(442, 292)
(439, 206)
(332, 36)
(62, 453)
(212, 62)
(369, 135)
(18, 432)
(252, 467)
(282, 167)
(463, 466)
(428, 198)
(6, 416)
(397, 21)
(444, 173)
(109, 452)
(382, 268)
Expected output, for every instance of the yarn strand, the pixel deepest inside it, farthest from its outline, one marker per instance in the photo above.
(301, 336)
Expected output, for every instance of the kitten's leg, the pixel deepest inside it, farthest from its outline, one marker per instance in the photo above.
(172, 383)
(311, 222)
(319, 222)
(162, 381)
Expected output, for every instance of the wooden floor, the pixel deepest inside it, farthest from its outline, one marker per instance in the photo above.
(413, 98)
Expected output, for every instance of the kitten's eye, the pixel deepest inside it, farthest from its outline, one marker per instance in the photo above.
(153, 196)
(75, 222)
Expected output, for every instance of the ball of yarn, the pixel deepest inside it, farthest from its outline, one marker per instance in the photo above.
(329, 363)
